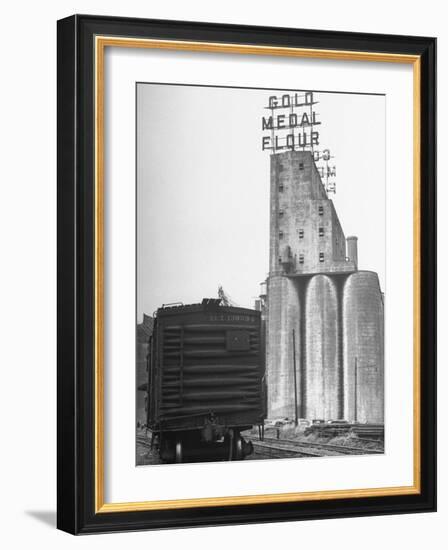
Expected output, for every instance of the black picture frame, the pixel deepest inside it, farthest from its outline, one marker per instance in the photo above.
(76, 480)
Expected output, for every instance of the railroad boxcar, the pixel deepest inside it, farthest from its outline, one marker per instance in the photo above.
(205, 381)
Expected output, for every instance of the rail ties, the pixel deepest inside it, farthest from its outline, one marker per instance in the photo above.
(342, 449)
(290, 448)
(145, 441)
(283, 448)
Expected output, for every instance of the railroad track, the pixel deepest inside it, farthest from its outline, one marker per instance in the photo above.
(369, 439)
(143, 441)
(277, 449)
(282, 450)
(337, 449)
(292, 447)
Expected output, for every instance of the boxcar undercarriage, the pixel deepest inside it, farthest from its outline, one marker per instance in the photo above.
(193, 445)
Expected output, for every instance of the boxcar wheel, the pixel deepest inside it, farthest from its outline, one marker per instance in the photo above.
(230, 444)
(238, 454)
(178, 452)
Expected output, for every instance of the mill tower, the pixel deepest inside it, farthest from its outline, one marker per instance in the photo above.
(325, 337)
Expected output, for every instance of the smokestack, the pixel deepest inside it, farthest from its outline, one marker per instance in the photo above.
(352, 249)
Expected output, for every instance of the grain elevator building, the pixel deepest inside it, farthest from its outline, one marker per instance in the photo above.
(325, 318)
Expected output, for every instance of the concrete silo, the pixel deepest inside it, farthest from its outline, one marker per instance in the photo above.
(363, 348)
(322, 345)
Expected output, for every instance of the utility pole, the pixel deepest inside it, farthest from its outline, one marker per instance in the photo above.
(296, 420)
(356, 389)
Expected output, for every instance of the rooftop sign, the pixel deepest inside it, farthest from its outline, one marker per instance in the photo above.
(293, 125)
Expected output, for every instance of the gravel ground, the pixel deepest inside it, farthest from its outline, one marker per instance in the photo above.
(146, 455)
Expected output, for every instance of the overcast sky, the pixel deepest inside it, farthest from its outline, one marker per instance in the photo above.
(203, 188)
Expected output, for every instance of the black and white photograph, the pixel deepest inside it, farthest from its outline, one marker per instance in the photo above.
(261, 269)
